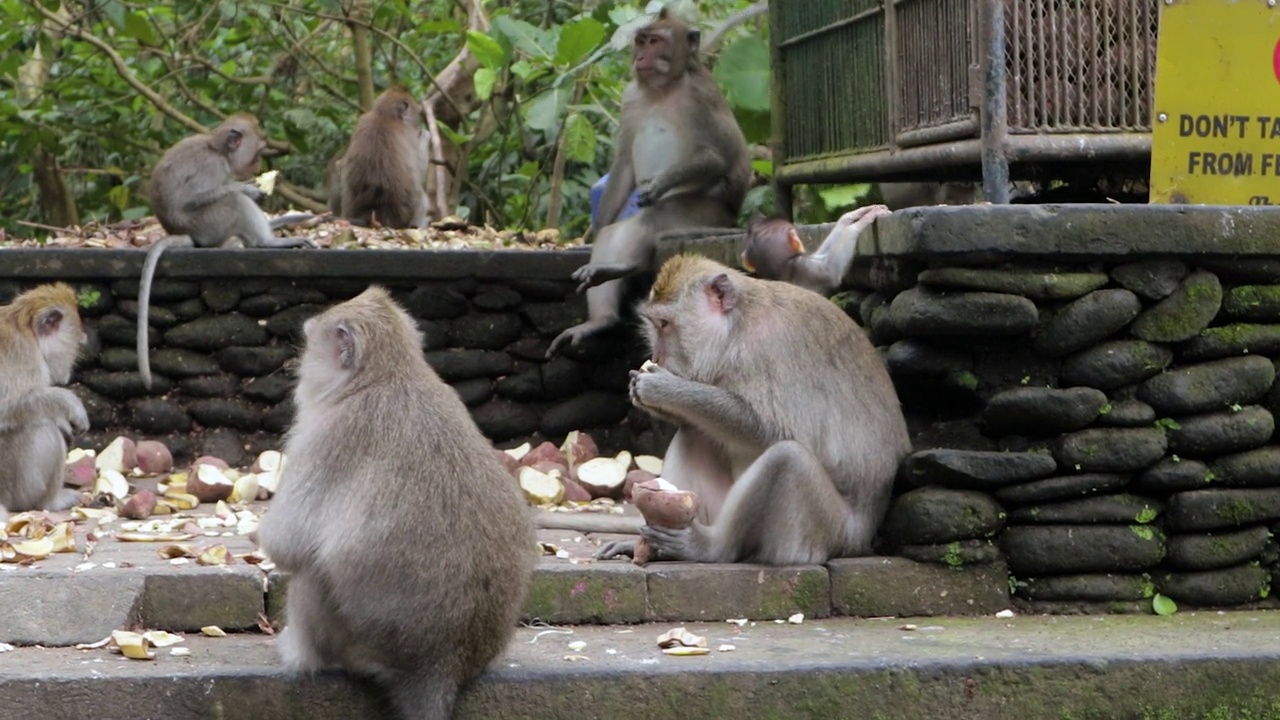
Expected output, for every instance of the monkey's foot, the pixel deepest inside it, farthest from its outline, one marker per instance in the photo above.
(577, 333)
(617, 548)
(686, 544)
(592, 274)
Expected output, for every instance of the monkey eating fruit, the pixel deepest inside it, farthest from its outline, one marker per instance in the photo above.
(774, 250)
(203, 196)
(789, 429)
(407, 545)
(40, 338)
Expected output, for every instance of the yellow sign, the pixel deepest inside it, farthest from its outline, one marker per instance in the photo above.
(1216, 134)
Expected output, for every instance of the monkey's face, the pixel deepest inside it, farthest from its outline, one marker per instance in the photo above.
(652, 56)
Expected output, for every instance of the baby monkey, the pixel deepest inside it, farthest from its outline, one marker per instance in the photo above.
(408, 547)
(774, 250)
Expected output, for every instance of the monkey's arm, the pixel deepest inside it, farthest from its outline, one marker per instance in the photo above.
(721, 415)
(825, 269)
(706, 166)
(52, 403)
(622, 180)
(202, 199)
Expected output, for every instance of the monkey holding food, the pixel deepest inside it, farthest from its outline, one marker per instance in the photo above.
(202, 196)
(774, 251)
(680, 149)
(789, 429)
(408, 548)
(40, 338)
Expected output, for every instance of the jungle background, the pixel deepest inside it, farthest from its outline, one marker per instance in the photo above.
(524, 97)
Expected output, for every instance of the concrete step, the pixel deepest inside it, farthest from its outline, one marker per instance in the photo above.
(1190, 665)
(67, 599)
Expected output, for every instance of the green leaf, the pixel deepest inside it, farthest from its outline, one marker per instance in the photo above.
(580, 139)
(843, 195)
(484, 79)
(521, 69)
(486, 50)
(440, 26)
(454, 136)
(743, 72)
(228, 68)
(763, 167)
(544, 112)
(577, 39)
(623, 14)
(114, 11)
(527, 38)
(1163, 605)
(119, 197)
(138, 27)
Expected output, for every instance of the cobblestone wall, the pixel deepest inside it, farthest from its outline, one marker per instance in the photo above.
(223, 345)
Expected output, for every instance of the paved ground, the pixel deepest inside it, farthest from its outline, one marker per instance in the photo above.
(1219, 665)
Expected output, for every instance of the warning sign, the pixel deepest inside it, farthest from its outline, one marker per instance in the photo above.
(1216, 126)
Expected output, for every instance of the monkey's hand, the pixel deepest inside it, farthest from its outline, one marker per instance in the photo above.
(254, 192)
(69, 413)
(868, 214)
(652, 390)
(617, 548)
(592, 274)
(689, 544)
(647, 193)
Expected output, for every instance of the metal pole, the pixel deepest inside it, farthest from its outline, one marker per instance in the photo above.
(995, 119)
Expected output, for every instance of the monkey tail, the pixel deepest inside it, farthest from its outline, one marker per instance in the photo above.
(144, 306)
(290, 219)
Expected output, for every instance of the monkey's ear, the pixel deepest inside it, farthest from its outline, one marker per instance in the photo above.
(49, 321)
(234, 139)
(793, 239)
(346, 346)
(721, 293)
(746, 263)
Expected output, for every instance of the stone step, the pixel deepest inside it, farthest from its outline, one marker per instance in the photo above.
(65, 600)
(1189, 665)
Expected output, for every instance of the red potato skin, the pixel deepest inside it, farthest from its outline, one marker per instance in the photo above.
(546, 452)
(581, 451)
(633, 478)
(573, 492)
(666, 508)
(81, 473)
(153, 457)
(140, 505)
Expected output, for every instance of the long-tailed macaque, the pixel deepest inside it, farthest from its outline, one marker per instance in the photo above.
(408, 547)
(385, 165)
(40, 337)
(679, 145)
(202, 196)
(774, 251)
(788, 426)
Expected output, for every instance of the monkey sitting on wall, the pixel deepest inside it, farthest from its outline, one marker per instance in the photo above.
(40, 338)
(774, 251)
(202, 196)
(680, 148)
(380, 175)
(788, 426)
(384, 452)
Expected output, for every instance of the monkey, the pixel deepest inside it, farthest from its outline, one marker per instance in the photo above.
(333, 184)
(203, 197)
(385, 165)
(774, 252)
(680, 149)
(788, 426)
(433, 590)
(40, 338)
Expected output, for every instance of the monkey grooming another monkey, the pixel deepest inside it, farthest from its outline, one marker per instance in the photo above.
(385, 165)
(679, 145)
(788, 426)
(774, 250)
(40, 337)
(202, 196)
(409, 551)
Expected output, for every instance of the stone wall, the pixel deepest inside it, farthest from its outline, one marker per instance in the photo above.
(226, 324)
(1091, 392)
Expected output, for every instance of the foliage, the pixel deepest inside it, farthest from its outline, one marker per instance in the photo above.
(549, 81)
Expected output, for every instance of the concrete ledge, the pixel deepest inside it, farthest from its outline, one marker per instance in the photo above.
(1081, 230)
(1197, 665)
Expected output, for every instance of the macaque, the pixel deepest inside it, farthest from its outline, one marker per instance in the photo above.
(788, 427)
(333, 184)
(385, 165)
(202, 194)
(680, 148)
(774, 250)
(408, 547)
(40, 337)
